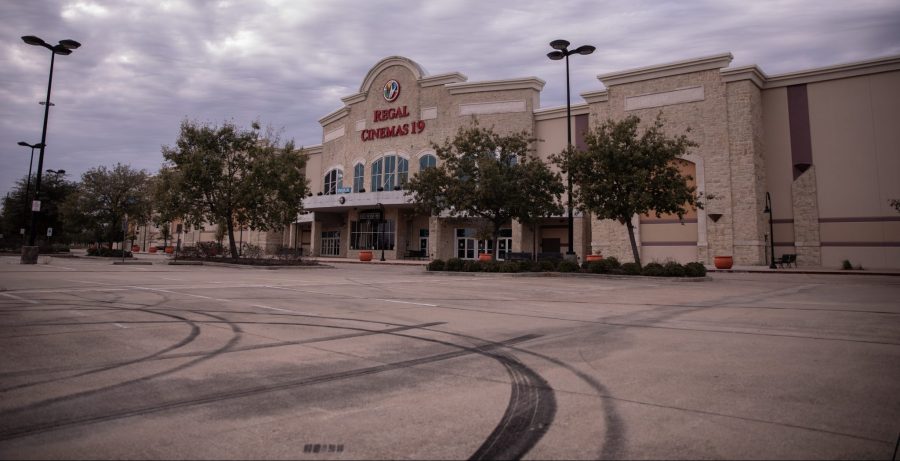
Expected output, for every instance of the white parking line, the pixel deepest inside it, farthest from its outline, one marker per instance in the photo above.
(405, 302)
(19, 298)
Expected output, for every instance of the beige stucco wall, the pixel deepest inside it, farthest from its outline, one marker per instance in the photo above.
(856, 152)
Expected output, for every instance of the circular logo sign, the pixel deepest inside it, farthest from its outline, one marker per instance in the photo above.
(391, 90)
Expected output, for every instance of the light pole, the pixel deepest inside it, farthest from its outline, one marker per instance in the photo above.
(561, 50)
(64, 47)
(771, 231)
(381, 229)
(28, 182)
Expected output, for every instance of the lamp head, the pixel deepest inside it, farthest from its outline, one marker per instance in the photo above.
(32, 40)
(23, 143)
(556, 55)
(59, 49)
(69, 44)
(559, 44)
(585, 49)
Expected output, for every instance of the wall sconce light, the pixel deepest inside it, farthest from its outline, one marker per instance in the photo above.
(714, 216)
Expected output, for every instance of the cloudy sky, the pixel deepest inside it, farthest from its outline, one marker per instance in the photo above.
(145, 65)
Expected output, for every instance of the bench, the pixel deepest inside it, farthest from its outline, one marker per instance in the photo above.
(518, 256)
(414, 254)
(787, 259)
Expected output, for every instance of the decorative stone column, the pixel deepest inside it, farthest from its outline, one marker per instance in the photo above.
(806, 219)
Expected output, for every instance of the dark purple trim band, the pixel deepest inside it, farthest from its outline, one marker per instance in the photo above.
(867, 219)
(783, 221)
(861, 244)
(798, 119)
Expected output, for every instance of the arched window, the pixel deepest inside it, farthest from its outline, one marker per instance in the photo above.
(402, 171)
(334, 180)
(427, 161)
(376, 175)
(389, 172)
(359, 173)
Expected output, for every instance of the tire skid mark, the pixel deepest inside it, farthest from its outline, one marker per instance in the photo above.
(236, 336)
(191, 336)
(61, 423)
(528, 416)
(167, 356)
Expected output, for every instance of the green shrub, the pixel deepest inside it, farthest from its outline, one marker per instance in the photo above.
(694, 269)
(567, 266)
(534, 266)
(846, 265)
(489, 266)
(510, 267)
(436, 265)
(107, 252)
(604, 266)
(547, 265)
(653, 270)
(630, 269)
(471, 266)
(673, 269)
(454, 265)
(612, 263)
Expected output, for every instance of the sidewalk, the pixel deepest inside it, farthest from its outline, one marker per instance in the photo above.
(803, 270)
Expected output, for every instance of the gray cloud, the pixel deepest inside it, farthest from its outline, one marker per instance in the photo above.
(145, 65)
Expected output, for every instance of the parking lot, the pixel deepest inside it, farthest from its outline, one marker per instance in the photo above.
(376, 361)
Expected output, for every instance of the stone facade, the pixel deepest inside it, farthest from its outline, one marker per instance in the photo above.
(739, 117)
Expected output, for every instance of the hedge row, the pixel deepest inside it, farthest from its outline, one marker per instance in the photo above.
(604, 266)
(107, 252)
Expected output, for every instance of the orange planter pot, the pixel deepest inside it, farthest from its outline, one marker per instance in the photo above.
(484, 256)
(135, 248)
(592, 258)
(152, 249)
(365, 255)
(724, 262)
(170, 250)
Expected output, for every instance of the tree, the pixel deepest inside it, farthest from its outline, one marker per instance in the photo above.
(17, 207)
(896, 204)
(536, 203)
(227, 174)
(485, 175)
(623, 173)
(103, 199)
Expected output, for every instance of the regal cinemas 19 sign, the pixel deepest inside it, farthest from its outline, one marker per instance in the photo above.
(391, 92)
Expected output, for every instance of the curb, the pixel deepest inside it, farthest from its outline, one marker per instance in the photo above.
(568, 274)
(801, 271)
(133, 263)
(245, 266)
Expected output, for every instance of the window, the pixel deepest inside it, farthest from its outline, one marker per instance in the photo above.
(427, 161)
(331, 243)
(372, 235)
(402, 171)
(390, 165)
(376, 174)
(359, 172)
(389, 171)
(334, 180)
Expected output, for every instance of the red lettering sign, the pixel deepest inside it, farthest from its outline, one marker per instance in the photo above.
(393, 131)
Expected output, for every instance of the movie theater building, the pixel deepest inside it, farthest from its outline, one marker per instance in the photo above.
(822, 144)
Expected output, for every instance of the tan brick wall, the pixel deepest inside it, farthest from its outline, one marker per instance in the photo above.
(806, 219)
(748, 177)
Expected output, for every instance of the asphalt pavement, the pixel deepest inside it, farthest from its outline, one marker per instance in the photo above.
(387, 361)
